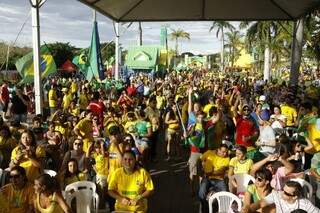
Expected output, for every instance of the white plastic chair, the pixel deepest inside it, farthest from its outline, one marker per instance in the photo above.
(225, 201)
(84, 192)
(52, 173)
(242, 182)
(305, 185)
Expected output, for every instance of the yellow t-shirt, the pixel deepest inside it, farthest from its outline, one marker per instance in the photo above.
(102, 164)
(52, 96)
(207, 108)
(114, 158)
(240, 168)
(83, 101)
(61, 129)
(18, 201)
(75, 178)
(214, 162)
(314, 134)
(160, 102)
(31, 171)
(75, 112)
(66, 101)
(86, 131)
(290, 113)
(130, 186)
(6, 147)
(130, 127)
(54, 205)
(74, 87)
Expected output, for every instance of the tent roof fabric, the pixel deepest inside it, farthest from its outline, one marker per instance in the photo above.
(202, 10)
(68, 66)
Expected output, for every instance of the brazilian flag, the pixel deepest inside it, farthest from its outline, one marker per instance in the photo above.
(25, 65)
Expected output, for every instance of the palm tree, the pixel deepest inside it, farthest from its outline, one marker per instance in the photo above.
(235, 45)
(220, 26)
(261, 33)
(176, 35)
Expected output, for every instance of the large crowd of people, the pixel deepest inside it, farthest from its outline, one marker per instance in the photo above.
(110, 133)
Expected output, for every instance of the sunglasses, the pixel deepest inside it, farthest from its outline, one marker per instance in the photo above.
(288, 194)
(246, 109)
(14, 176)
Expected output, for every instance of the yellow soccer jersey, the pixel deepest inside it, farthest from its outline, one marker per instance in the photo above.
(213, 162)
(130, 186)
(18, 201)
(240, 168)
(31, 171)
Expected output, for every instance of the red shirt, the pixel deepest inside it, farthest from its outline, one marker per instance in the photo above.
(245, 127)
(4, 94)
(131, 90)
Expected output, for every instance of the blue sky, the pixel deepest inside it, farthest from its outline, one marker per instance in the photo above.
(71, 21)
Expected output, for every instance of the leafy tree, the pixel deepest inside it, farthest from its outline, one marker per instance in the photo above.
(107, 50)
(14, 54)
(221, 26)
(61, 52)
(234, 44)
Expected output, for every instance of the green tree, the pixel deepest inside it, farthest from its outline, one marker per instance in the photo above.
(14, 54)
(261, 34)
(221, 26)
(107, 50)
(234, 44)
(61, 52)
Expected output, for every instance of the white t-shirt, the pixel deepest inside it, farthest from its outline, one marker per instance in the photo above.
(285, 207)
(267, 139)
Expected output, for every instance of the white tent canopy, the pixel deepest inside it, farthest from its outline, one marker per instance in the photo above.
(202, 10)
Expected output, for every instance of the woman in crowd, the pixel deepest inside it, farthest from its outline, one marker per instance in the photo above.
(130, 185)
(47, 197)
(238, 165)
(71, 174)
(259, 189)
(173, 127)
(28, 155)
(78, 154)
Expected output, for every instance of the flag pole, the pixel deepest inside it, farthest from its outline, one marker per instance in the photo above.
(35, 5)
(94, 15)
(116, 71)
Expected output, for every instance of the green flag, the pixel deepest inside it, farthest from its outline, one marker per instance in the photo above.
(95, 68)
(25, 65)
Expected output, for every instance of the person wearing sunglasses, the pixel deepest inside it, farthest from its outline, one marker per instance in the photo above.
(285, 201)
(246, 129)
(259, 189)
(17, 195)
(78, 154)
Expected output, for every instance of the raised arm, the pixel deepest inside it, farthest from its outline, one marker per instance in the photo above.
(190, 99)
